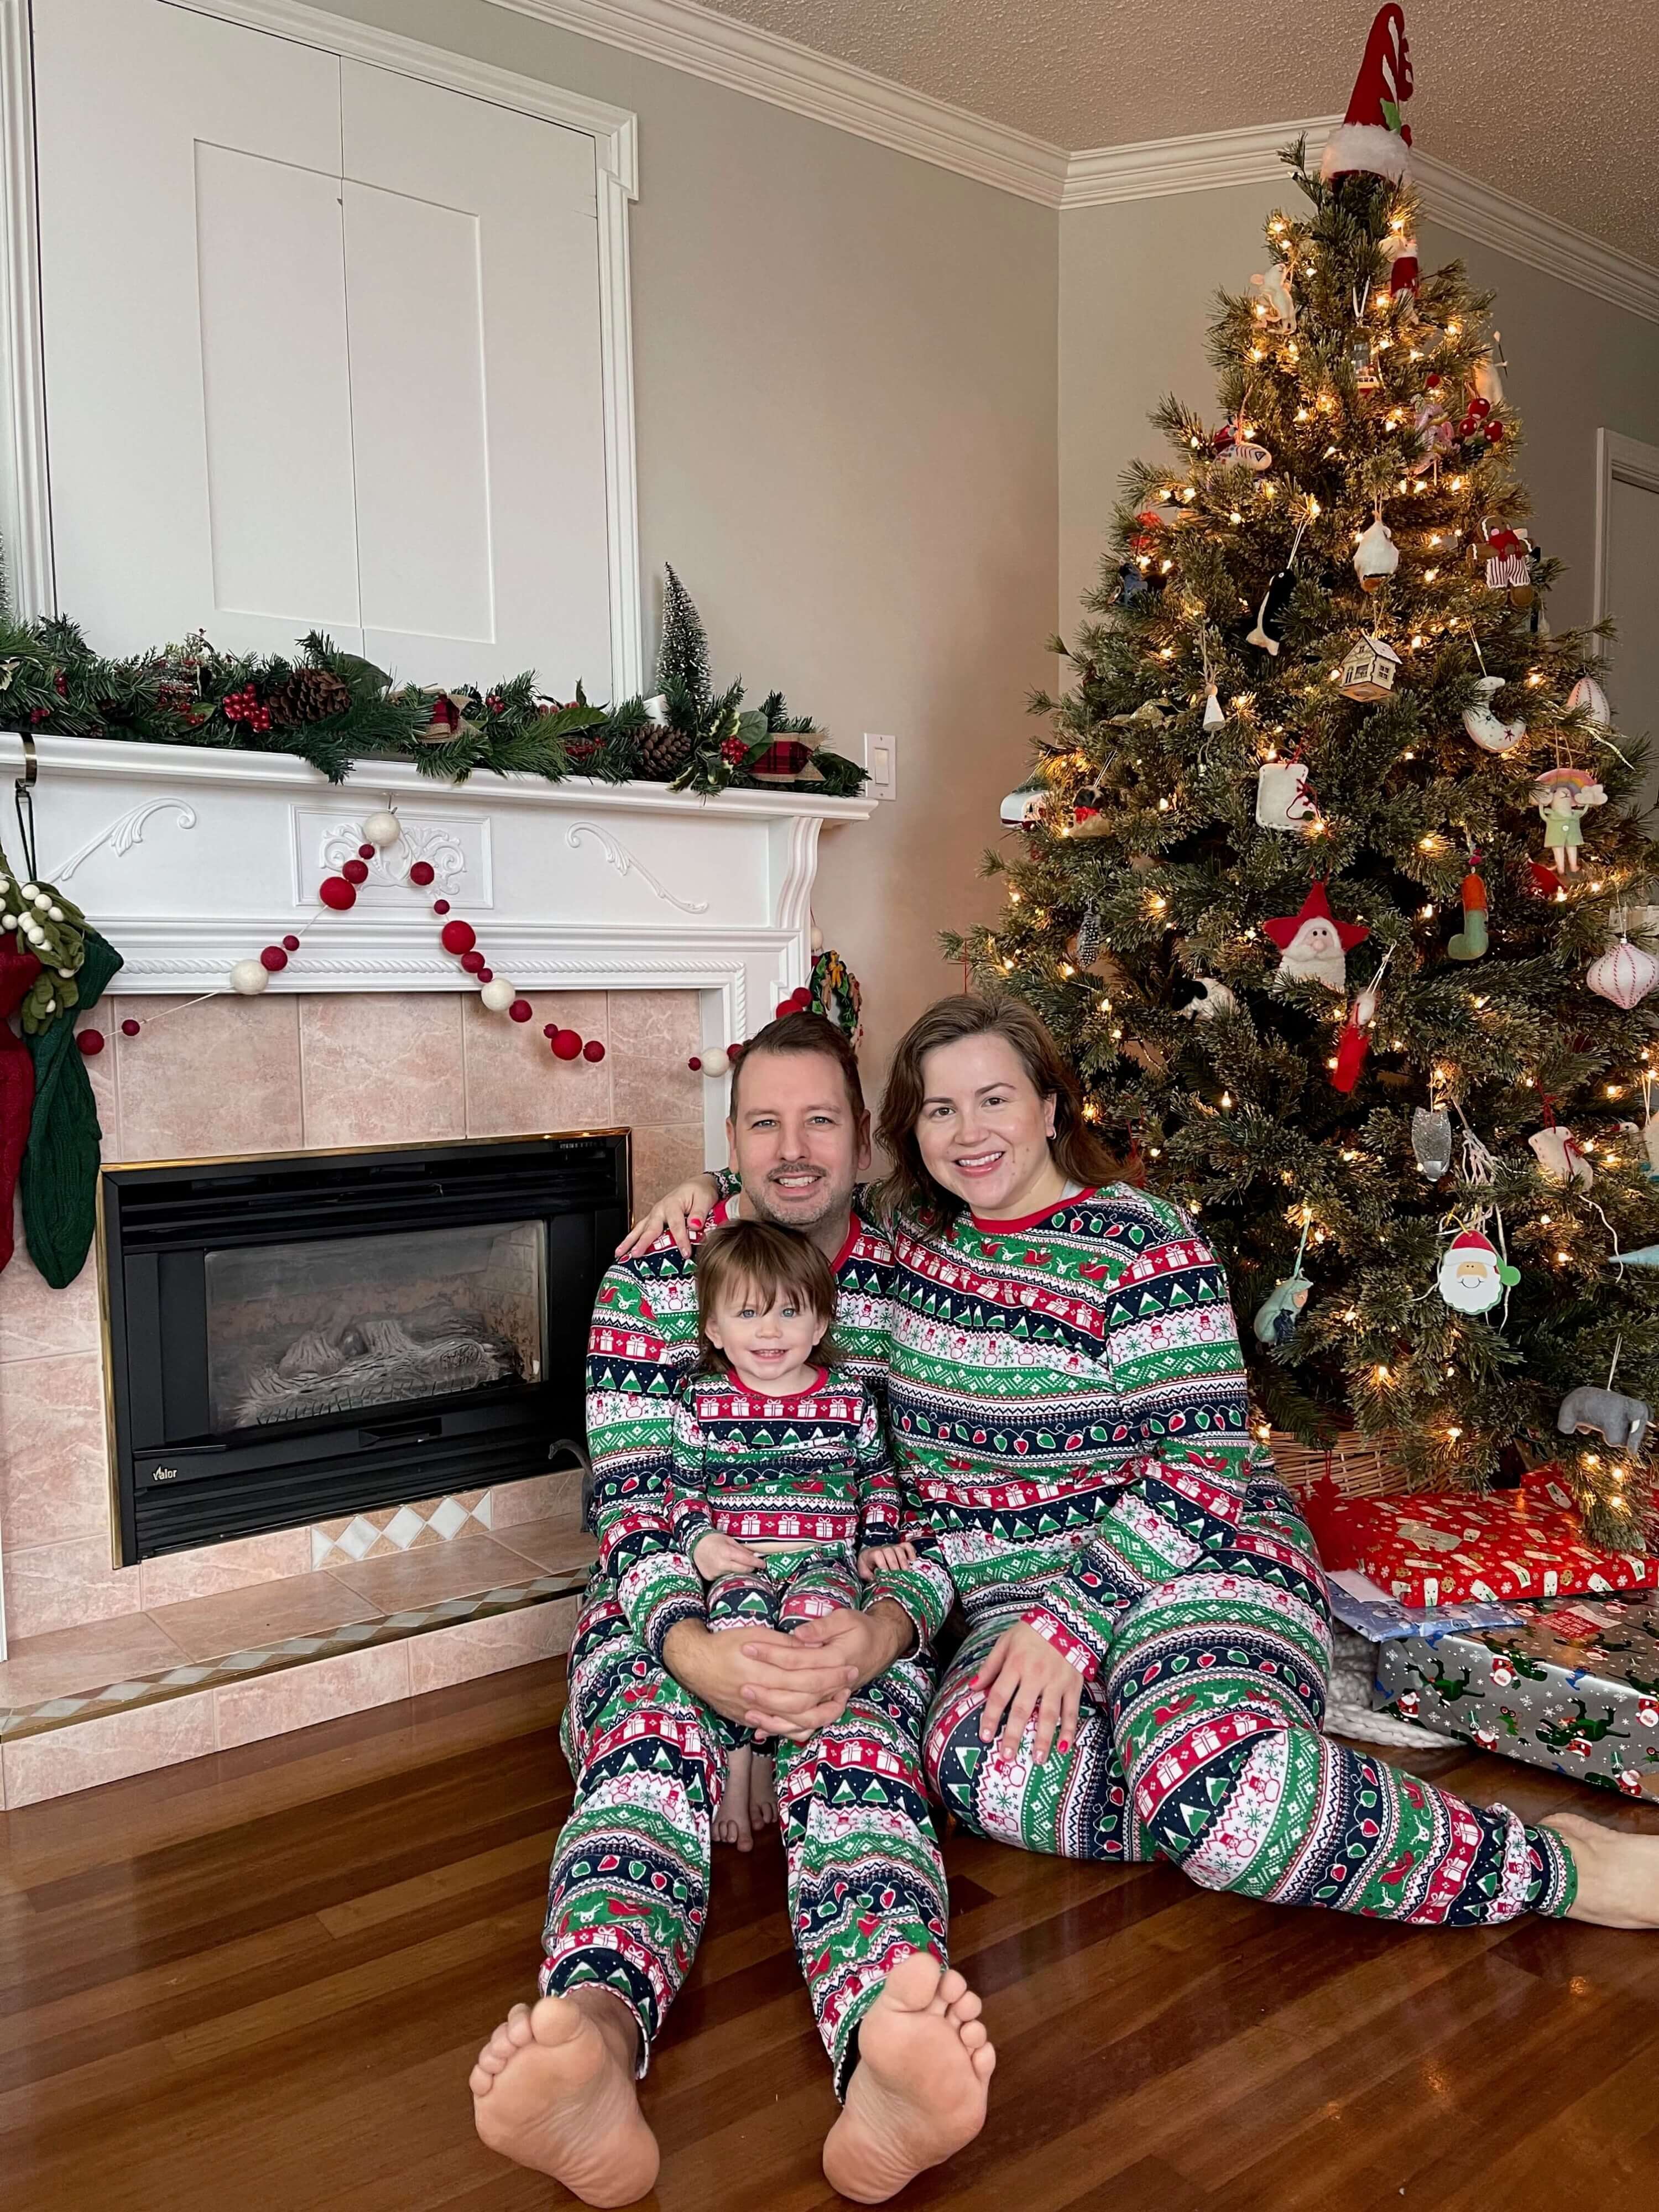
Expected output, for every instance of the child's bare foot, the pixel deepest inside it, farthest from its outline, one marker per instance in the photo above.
(1618, 1873)
(918, 2092)
(762, 1791)
(554, 2089)
(732, 1813)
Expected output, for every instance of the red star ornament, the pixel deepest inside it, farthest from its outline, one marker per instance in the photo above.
(1314, 943)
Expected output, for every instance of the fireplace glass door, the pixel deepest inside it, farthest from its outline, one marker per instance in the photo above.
(344, 1325)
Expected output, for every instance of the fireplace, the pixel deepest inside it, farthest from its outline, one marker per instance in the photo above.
(299, 1336)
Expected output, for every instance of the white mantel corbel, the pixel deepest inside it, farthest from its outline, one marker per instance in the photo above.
(189, 860)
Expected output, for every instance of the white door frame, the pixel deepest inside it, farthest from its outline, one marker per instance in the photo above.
(1618, 460)
(25, 479)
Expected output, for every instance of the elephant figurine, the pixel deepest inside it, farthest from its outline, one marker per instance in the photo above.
(1619, 1421)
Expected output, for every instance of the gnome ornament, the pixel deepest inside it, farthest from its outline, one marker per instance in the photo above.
(1474, 1276)
(1491, 734)
(1314, 943)
(1373, 138)
(1376, 556)
(1282, 799)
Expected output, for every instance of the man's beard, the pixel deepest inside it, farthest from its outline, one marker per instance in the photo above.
(805, 1210)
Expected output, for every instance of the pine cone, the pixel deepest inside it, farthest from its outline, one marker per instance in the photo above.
(661, 753)
(310, 694)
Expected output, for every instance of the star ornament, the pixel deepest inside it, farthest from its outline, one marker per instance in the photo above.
(1314, 943)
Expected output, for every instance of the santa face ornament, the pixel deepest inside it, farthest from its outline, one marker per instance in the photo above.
(1314, 945)
(1473, 1277)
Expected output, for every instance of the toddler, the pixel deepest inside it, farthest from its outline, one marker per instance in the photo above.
(782, 1493)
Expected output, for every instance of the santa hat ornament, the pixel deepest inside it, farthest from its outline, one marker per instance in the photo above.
(1314, 945)
(1372, 138)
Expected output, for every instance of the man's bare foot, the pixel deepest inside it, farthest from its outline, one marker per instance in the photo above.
(918, 2092)
(1618, 1873)
(732, 1816)
(554, 2089)
(762, 1791)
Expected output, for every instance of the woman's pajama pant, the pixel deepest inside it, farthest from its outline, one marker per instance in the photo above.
(1199, 1738)
(628, 1892)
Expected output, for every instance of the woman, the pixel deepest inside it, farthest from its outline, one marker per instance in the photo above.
(1148, 1644)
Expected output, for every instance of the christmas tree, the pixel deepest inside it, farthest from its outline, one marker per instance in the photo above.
(1325, 883)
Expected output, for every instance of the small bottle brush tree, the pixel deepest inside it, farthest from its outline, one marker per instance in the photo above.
(1142, 891)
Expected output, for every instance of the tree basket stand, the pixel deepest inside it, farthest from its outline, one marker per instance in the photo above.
(1358, 1466)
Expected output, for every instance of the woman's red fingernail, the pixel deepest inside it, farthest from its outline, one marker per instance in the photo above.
(696, 1220)
(1064, 1744)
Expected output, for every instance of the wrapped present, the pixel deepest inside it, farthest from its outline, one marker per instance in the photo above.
(1433, 1548)
(1574, 1689)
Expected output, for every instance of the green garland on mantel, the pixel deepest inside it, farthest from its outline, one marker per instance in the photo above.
(335, 710)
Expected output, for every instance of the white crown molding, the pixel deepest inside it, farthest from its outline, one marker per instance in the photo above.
(683, 36)
(1151, 169)
(1526, 234)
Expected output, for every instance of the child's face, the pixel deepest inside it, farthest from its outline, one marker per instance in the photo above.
(765, 1342)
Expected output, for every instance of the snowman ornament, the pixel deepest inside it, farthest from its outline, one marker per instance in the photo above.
(1474, 1276)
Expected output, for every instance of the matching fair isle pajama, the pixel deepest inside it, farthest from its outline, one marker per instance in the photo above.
(627, 1891)
(1068, 1406)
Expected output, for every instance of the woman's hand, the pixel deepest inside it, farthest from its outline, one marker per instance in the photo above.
(723, 1555)
(682, 1210)
(1025, 1678)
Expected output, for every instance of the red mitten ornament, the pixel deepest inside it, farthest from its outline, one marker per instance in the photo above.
(17, 972)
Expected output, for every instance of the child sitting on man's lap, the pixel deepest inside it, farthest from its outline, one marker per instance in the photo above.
(783, 1493)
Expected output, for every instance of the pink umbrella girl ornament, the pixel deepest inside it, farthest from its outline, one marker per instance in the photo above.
(1563, 797)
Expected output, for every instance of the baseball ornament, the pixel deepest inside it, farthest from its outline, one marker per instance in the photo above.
(1587, 697)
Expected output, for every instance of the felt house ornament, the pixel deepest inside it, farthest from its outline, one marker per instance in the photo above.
(1314, 943)
(1368, 672)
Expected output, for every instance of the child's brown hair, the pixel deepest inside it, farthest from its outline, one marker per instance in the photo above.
(769, 1264)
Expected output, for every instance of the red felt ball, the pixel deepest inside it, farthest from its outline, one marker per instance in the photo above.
(549, 1029)
(91, 1042)
(273, 958)
(335, 891)
(484, 975)
(565, 1044)
(800, 998)
(441, 906)
(593, 1050)
(129, 1028)
(472, 962)
(459, 937)
(420, 872)
(521, 1010)
(694, 1064)
(784, 1007)
(290, 944)
(355, 871)
(365, 852)
(734, 1052)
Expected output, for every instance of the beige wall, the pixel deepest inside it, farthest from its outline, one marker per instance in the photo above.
(1137, 284)
(845, 373)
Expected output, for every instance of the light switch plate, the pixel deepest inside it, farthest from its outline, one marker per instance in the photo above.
(881, 759)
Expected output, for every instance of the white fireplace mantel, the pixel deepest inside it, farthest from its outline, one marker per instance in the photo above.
(189, 860)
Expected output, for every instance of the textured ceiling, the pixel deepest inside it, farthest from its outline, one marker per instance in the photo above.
(1558, 106)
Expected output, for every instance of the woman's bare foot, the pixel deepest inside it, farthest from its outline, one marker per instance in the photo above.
(554, 2089)
(762, 1791)
(918, 2092)
(732, 1816)
(1618, 1873)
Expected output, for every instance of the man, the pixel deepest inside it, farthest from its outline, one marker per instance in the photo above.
(846, 1696)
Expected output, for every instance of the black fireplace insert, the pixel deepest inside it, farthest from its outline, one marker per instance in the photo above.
(295, 1337)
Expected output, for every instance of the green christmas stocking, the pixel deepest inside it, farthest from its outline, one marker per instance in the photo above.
(60, 1166)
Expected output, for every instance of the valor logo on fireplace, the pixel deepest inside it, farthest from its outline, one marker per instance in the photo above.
(302, 1335)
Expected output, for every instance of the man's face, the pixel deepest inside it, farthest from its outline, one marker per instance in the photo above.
(795, 1139)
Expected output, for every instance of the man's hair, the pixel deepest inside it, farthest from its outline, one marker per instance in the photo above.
(804, 1032)
(753, 1259)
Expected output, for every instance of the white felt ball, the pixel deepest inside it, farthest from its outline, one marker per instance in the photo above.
(382, 830)
(498, 994)
(54, 914)
(28, 890)
(250, 977)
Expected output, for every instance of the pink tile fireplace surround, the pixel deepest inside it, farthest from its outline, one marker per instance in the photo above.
(279, 1073)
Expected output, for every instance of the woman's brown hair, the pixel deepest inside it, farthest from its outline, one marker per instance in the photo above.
(1080, 1156)
(768, 1264)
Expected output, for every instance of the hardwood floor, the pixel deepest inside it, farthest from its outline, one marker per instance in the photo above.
(256, 1983)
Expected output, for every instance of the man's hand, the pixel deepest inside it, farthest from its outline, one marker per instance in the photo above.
(763, 1678)
(868, 1642)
